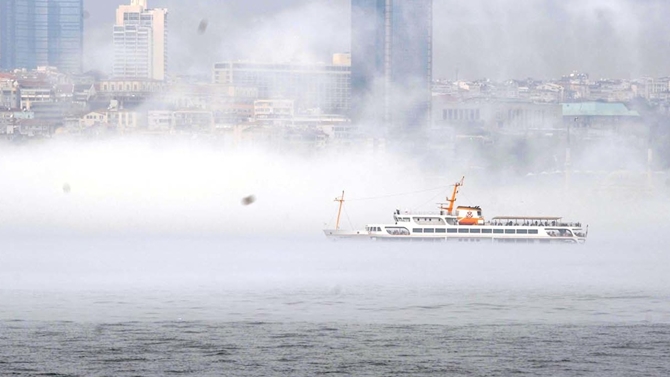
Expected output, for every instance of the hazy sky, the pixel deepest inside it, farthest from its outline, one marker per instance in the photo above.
(477, 38)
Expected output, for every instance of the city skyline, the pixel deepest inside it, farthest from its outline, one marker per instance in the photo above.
(383, 88)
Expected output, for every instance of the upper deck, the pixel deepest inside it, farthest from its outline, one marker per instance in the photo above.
(441, 218)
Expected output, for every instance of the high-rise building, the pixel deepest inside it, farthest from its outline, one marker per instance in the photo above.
(391, 63)
(41, 33)
(140, 41)
(311, 86)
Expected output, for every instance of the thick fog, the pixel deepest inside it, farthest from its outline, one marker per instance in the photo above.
(545, 39)
(196, 188)
(474, 39)
(187, 188)
(306, 31)
(152, 230)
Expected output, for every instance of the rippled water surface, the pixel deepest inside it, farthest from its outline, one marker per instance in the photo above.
(261, 349)
(137, 306)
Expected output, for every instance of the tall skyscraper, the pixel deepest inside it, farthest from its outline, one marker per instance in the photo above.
(140, 41)
(391, 63)
(41, 33)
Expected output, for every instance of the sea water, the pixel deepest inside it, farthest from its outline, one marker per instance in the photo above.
(255, 306)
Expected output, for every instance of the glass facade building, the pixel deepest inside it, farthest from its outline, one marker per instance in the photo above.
(311, 86)
(41, 33)
(391, 62)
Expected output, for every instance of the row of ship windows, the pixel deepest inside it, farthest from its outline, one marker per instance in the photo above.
(501, 240)
(475, 230)
(475, 240)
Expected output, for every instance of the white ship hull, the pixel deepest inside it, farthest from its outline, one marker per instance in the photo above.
(346, 234)
(481, 234)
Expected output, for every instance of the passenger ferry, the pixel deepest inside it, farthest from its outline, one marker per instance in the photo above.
(465, 224)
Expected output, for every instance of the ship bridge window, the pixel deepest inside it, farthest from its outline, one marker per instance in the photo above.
(397, 231)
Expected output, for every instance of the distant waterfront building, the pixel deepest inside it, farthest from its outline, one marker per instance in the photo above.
(391, 63)
(9, 93)
(180, 120)
(41, 33)
(502, 116)
(128, 92)
(277, 111)
(312, 86)
(140, 41)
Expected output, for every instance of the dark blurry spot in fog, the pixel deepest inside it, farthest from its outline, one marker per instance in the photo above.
(66, 188)
(202, 27)
(248, 200)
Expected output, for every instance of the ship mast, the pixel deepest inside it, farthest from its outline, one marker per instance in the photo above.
(339, 212)
(453, 197)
